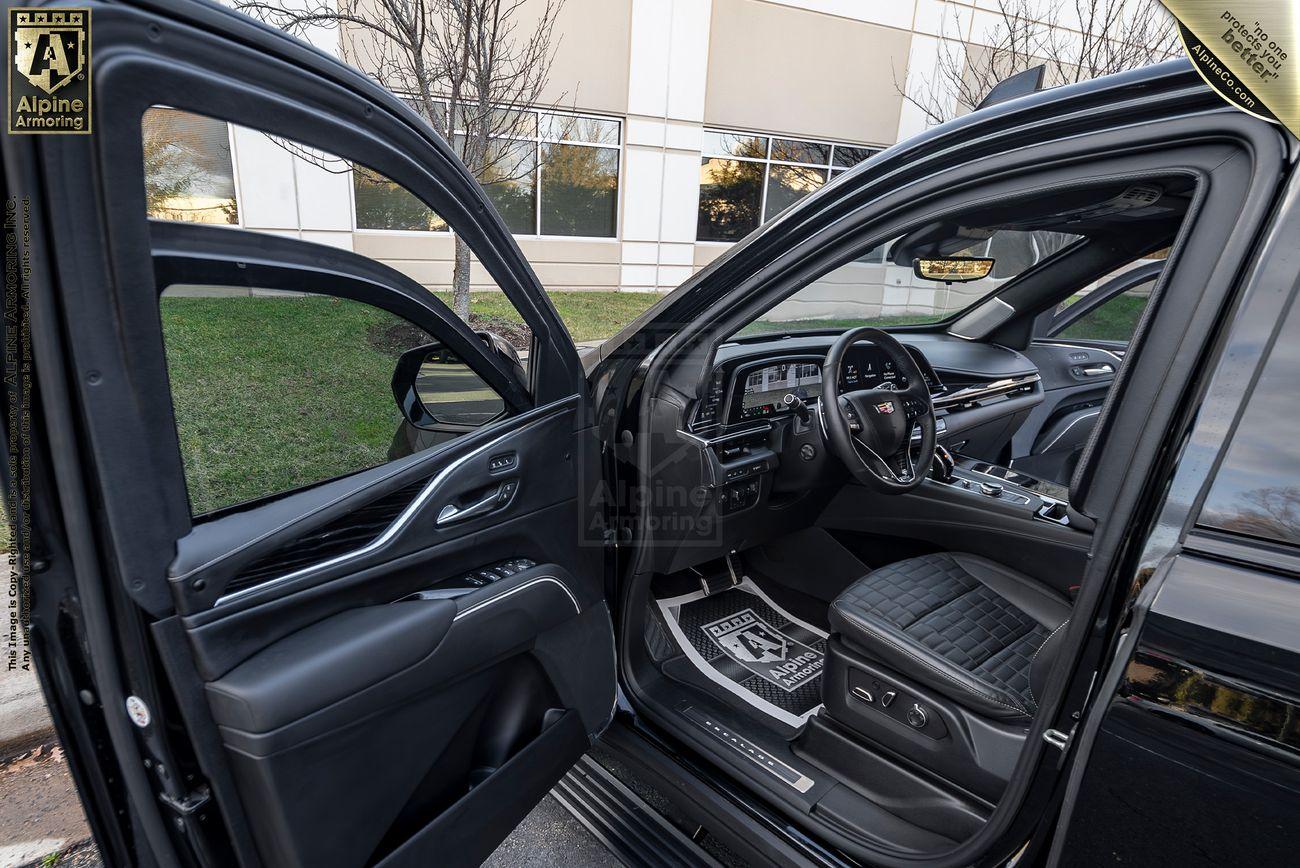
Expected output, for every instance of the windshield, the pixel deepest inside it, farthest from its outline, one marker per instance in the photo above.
(872, 291)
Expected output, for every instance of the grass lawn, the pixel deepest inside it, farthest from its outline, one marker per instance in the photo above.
(589, 316)
(271, 393)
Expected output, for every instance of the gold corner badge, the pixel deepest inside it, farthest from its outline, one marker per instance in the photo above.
(1242, 49)
(49, 70)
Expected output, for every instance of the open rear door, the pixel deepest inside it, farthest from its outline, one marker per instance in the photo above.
(388, 665)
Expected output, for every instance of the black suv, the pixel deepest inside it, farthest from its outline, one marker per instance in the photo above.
(984, 589)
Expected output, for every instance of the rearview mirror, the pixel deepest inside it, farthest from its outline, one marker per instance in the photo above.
(953, 269)
(434, 387)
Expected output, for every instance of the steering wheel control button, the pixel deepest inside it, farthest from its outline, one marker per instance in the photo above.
(917, 717)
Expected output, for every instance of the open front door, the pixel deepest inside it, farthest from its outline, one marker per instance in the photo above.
(360, 624)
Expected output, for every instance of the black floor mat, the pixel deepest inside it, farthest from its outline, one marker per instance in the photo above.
(743, 642)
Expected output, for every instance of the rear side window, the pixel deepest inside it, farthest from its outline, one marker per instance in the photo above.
(1115, 320)
(1257, 489)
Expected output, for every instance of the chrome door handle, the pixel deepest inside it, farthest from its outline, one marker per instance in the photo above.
(1098, 370)
(451, 513)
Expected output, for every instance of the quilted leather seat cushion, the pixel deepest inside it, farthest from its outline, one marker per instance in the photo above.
(958, 623)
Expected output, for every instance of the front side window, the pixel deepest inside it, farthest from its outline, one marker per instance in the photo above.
(275, 387)
(747, 179)
(273, 391)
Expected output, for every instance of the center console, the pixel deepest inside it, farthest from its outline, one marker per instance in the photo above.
(1039, 499)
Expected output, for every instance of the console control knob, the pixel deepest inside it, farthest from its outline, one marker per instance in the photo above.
(992, 489)
(917, 717)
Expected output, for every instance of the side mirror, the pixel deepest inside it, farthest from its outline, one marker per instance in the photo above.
(436, 389)
(953, 269)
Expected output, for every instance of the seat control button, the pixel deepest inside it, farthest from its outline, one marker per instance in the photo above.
(917, 717)
(864, 695)
(887, 698)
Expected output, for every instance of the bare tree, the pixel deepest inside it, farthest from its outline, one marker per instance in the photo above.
(1113, 35)
(471, 68)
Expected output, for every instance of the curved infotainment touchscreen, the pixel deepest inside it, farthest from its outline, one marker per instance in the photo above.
(765, 388)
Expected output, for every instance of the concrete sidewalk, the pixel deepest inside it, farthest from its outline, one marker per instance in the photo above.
(24, 722)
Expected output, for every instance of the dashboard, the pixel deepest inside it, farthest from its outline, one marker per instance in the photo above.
(758, 389)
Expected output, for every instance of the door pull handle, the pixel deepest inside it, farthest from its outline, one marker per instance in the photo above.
(451, 513)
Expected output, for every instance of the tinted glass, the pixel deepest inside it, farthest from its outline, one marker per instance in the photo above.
(795, 151)
(579, 190)
(187, 167)
(788, 184)
(1257, 489)
(275, 391)
(731, 199)
(1116, 320)
(735, 144)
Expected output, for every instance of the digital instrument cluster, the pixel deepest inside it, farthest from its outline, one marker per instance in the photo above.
(765, 389)
(760, 391)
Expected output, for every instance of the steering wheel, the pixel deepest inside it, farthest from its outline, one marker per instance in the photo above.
(871, 429)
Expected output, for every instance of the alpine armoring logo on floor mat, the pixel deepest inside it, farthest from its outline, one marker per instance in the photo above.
(764, 650)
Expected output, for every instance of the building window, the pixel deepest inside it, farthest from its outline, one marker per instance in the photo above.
(188, 171)
(747, 179)
(558, 175)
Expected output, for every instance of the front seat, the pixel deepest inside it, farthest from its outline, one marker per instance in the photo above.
(972, 630)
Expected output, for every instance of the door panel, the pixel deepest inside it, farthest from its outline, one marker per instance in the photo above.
(325, 662)
(1078, 348)
(1075, 381)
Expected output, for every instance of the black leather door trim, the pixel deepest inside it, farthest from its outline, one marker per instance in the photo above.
(434, 486)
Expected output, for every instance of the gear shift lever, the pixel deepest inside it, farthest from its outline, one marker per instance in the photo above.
(943, 465)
